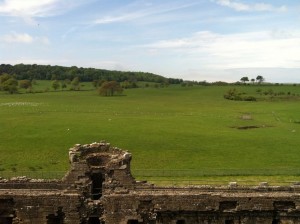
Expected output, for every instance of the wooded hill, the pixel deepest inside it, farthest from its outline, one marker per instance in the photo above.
(48, 72)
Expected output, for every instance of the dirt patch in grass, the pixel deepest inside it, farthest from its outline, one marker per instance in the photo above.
(247, 127)
(246, 117)
(250, 127)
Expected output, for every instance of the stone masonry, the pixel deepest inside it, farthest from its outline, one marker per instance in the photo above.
(99, 188)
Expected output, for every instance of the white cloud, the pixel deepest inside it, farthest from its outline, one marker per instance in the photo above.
(240, 50)
(17, 38)
(123, 18)
(28, 7)
(23, 38)
(239, 6)
(37, 8)
(235, 5)
(136, 11)
(113, 65)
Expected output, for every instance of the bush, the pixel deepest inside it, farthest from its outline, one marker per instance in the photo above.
(183, 84)
(233, 94)
(249, 98)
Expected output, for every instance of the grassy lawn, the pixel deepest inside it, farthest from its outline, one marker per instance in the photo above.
(173, 133)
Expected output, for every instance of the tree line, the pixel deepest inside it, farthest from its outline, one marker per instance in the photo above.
(259, 79)
(108, 83)
(11, 85)
(49, 72)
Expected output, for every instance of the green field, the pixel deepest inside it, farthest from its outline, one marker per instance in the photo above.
(174, 133)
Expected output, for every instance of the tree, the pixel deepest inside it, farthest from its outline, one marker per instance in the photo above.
(244, 79)
(54, 77)
(95, 83)
(128, 85)
(100, 82)
(260, 79)
(11, 85)
(67, 81)
(55, 84)
(8, 83)
(25, 84)
(63, 84)
(110, 88)
(252, 80)
(47, 72)
(4, 77)
(33, 82)
(75, 84)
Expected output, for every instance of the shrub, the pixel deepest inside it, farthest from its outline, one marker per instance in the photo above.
(233, 94)
(249, 98)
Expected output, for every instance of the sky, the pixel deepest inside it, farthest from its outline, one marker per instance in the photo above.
(212, 40)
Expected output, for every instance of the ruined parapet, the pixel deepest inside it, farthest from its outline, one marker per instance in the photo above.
(112, 163)
(98, 169)
(99, 188)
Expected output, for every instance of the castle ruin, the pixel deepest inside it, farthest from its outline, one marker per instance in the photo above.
(99, 189)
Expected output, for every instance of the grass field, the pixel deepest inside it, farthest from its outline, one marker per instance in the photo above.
(173, 133)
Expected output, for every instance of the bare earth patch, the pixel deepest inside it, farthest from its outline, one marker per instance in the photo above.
(250, 127)
(246, 117)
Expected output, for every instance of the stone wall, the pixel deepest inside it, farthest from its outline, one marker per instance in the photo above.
(99, 188)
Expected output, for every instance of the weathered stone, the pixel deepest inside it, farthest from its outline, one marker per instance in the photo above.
(99, 188)
(232, 184)
(263, 184)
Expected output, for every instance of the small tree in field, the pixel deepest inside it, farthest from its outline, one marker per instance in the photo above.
(11, 86)
(110, 88)
(95, 83)
(75, 84)
(25, 84)
(4, 77)
(244, 79)
(55, 85)
(8, 83)
(260, 79)
(63, 84)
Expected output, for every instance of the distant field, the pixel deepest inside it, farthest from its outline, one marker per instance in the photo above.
(174, 132)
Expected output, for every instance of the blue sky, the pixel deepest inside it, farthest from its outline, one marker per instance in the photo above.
(190, 39)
